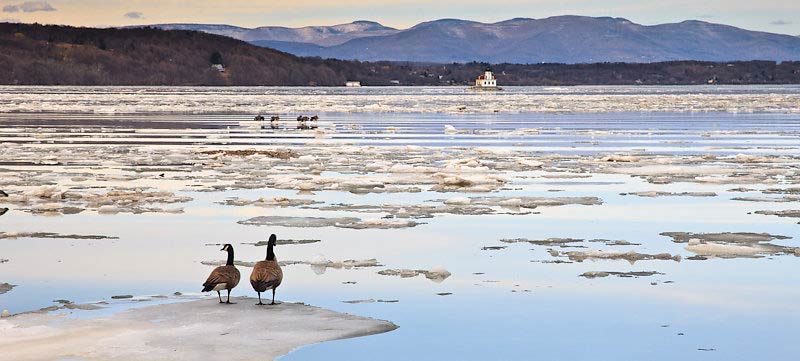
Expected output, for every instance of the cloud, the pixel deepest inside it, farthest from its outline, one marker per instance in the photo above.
(9, 20)
(29, 7)
(780, 22)
(134, 15)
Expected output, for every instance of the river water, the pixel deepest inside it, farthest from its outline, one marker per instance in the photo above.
(437, 179)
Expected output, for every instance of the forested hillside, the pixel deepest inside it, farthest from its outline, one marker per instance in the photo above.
(37, 54)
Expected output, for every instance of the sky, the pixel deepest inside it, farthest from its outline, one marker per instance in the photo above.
(778, 16)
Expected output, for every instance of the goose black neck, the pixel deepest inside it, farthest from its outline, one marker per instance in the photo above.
(270, 253)
(230, 257)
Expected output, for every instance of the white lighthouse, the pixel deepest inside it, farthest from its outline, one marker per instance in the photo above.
(487, 80)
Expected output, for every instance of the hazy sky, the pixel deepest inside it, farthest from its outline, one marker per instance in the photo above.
(780, 16)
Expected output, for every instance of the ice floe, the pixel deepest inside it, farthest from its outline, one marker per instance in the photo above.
(790, 213)
(50, 199)
(653, 194)
(732, 245)
(603, 274)
(436, 274)
(14, 235)
(552, 242)
(5, 287)
(630, 256)
(339, 222)
(533, 202)
(319, 264)
(270, 202)
(282, 241)
(785, 199)
(186, 328)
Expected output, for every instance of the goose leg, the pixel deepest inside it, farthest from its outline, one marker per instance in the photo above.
(273, 297)
(220, 297)
(229, 298)
(259, 299)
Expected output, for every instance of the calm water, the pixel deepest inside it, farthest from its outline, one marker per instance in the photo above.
(504, 303)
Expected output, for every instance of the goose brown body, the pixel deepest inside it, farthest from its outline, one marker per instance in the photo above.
(223, 277)
(267, 274)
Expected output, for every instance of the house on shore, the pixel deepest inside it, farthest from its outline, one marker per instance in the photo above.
(352, 84)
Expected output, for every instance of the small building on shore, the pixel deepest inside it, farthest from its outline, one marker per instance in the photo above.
(352, 84)
(486, 80)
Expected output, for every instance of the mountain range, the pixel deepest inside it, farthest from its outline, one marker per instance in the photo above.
(559, 39)
(314, 35)
(38, 54)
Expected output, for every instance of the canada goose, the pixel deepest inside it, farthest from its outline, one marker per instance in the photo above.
(302, 118)
(274, 118)
(223, 277)
(314, 118)
(259, 118)
(267, 274)
(3, 194)
(3, 211)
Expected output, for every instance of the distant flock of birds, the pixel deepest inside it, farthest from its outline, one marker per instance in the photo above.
(302, 121)
(267, 274)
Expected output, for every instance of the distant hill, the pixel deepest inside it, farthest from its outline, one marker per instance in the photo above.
(39, 54)
(317, 35)
(559, 39)
(62, 55)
